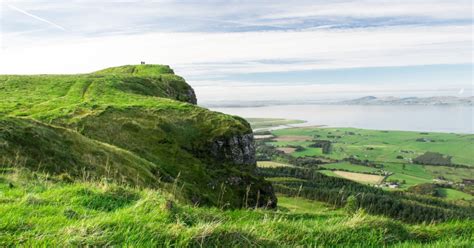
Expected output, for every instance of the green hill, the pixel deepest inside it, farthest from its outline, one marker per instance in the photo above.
(133, 124)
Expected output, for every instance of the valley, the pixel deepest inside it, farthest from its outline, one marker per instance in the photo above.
(386, 159)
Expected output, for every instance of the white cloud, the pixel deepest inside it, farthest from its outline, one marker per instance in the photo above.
(221, 53)
(377, 8)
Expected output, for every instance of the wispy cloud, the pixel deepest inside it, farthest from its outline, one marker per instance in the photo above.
(35, 17)
(95, 18)
(211, 54)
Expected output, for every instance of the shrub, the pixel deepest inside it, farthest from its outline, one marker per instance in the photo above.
(433, 158)
(351, 204)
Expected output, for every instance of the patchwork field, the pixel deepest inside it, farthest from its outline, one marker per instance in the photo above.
(384, 146)
(376, 157)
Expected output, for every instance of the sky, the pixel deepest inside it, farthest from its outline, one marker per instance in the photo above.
(253, 50)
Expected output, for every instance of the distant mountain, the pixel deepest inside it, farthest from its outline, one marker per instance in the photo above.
(366, 100)
(436, 100)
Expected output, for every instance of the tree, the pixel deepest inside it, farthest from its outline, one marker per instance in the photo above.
(351, 205)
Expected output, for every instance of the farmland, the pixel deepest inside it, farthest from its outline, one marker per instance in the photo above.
(360, 177)
(381, 157)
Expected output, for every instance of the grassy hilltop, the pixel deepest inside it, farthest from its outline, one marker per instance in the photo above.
(134, 124)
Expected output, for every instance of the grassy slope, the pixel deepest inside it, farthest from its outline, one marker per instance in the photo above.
(142, 109)
(30, 144)
(39, 210)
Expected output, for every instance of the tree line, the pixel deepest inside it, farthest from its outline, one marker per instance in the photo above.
(399, 205)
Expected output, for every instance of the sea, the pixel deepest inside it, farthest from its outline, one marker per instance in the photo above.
(448, 119)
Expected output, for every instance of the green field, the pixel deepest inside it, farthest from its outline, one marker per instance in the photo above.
(387, 145)
(455, 194)
(389, 152)
(350, 167)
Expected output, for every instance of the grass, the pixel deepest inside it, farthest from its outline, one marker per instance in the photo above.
(392, 151)
(453, 194)
(308, 151)
(350, 167)
(137, 124)
(123, 157)
(411, 174)
(329, 173)
(40, 210)
(285, 179)
(453, 174)
(305, 206)
(388, 144)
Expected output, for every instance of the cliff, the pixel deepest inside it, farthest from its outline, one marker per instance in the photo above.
(133, 124)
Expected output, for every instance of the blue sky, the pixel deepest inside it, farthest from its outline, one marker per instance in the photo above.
(260, 49)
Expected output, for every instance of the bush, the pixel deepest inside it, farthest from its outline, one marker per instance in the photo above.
(425, 189)
(324, 144)
(433, 158)
(351, 205)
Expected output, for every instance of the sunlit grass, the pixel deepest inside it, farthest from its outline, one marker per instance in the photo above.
(40, 210)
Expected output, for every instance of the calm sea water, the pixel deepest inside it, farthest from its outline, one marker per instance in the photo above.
(456, 119)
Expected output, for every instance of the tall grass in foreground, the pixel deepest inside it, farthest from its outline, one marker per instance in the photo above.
(40, 210)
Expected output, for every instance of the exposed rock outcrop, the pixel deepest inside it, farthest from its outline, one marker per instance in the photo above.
(239, 149)
(191, 96)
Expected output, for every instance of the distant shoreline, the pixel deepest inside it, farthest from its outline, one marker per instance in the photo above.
(363, 101)
(416, 118)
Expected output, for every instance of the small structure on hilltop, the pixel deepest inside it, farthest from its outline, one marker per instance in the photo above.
(143, 62)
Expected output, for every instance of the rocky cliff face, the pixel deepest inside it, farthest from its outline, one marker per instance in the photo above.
(191, 96)
(239, 149)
